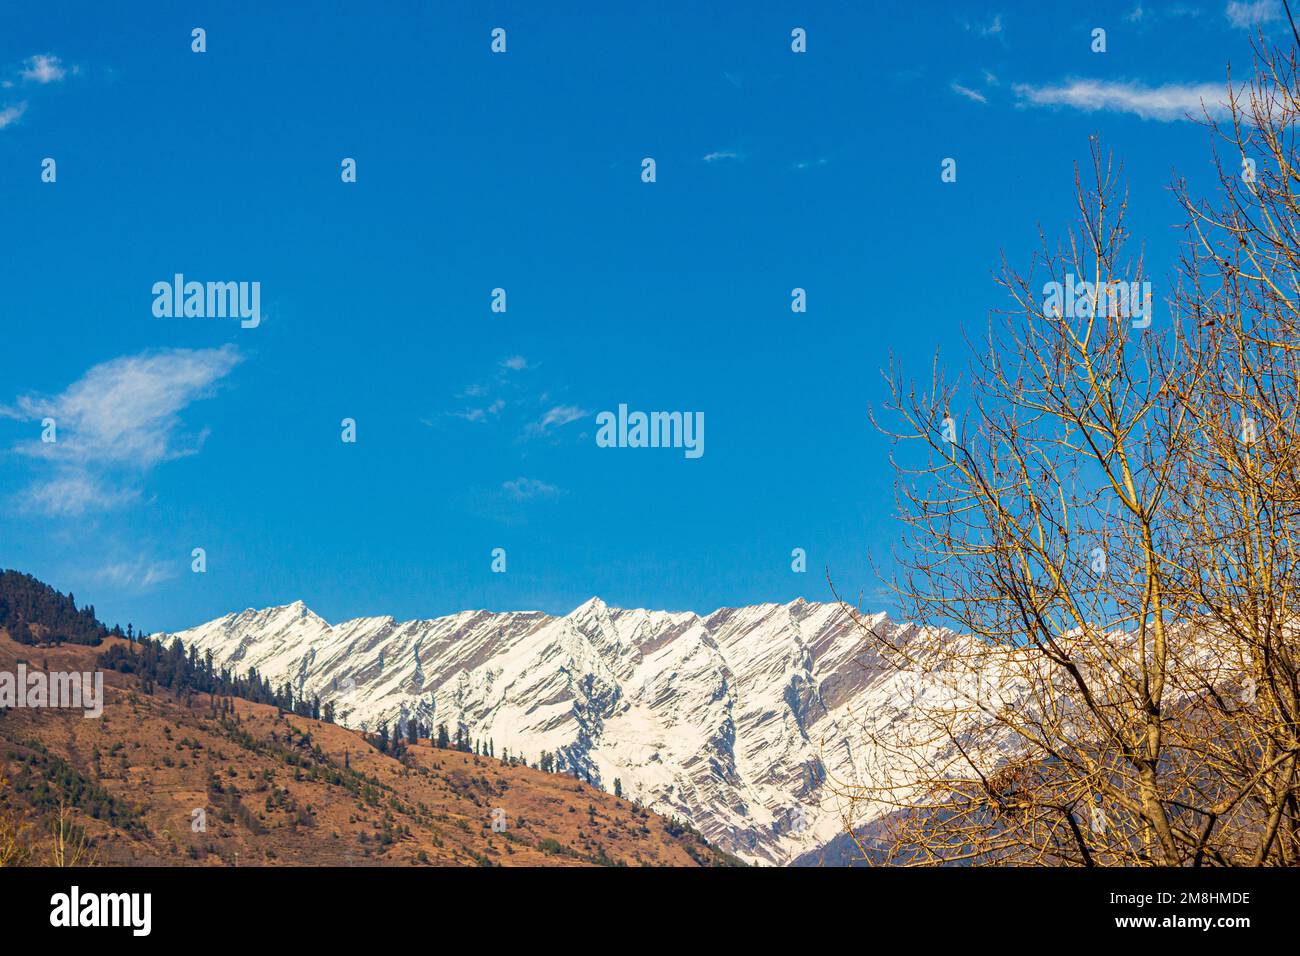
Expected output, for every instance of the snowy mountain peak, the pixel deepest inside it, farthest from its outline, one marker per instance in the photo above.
(735, 720)
(297, 609)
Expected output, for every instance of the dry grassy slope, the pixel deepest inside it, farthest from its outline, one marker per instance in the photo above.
(159, 755)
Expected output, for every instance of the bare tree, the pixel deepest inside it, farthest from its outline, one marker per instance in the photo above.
(69, 844)
(1099, 545)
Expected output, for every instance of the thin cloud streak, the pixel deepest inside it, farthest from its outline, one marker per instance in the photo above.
(1172, 101)
(970, 94)
(557, 417)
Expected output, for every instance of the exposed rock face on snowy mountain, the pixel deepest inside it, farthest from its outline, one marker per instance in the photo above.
(741, 721)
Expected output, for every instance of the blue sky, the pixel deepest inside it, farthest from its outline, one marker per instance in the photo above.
(522, 170)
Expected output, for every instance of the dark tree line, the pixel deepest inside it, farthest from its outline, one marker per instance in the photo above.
(173, 668)
(26, 603)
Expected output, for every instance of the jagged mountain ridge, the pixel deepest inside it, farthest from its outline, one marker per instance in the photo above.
(738, 721)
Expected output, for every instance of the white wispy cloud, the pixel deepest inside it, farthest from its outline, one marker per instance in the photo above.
(114, 424)
(1144, 15)
(136, 574)
(970, 94)
(719, 155)
(509, 398)
(75, 492)
(990, 28)
(557, 417)
(1171, 101)
(1249, 13)
(11, 114)
(481, 413)
(524, 489)
(43, 68)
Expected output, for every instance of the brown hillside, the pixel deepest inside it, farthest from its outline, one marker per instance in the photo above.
(287, 790)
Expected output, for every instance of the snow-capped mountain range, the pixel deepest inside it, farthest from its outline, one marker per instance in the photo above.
(747, 722)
